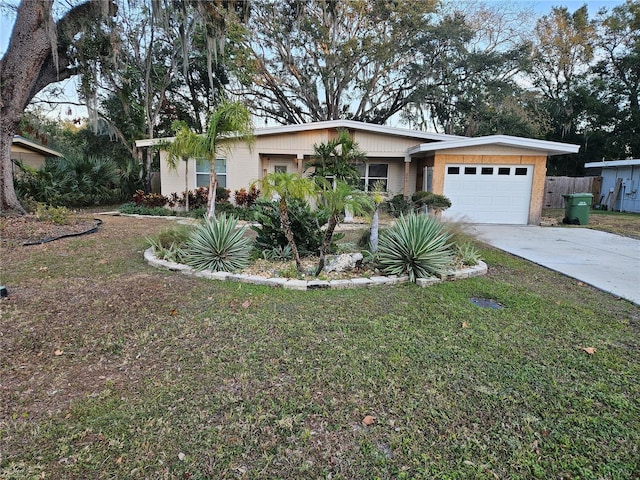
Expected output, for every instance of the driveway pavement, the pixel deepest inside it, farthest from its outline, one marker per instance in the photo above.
(604, 260)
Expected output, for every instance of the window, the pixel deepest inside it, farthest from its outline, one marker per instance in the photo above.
(453, 170)
(504, 171)
(203, 170)
(469, 170)
(280, 168)
(372, 173)
(521, 170)
(487, 171)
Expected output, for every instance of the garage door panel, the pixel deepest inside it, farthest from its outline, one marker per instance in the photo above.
(488, 193)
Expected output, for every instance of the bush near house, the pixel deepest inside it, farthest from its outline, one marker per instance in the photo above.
(306, 225)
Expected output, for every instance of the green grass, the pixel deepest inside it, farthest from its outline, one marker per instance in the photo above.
(228, 380)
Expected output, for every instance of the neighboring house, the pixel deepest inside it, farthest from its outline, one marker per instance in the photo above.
(495, 179)
(620, 184)
(30, 153)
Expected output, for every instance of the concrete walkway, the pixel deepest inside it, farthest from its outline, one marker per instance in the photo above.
(606, 261)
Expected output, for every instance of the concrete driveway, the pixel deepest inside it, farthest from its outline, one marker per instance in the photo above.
(606, 261)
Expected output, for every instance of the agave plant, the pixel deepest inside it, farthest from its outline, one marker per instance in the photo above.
(416, 245)
(218, 245)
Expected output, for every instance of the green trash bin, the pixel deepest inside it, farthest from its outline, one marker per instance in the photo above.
(576, 208)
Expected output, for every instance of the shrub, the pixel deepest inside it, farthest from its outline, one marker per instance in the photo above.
(398, 206)
(57, 215)
(467, 254)
(222, 194)
(149, 200)
(244, 198)
(134, 209)
(198, 198)
(171, 243)
(306, 225)
(278, 253)
(416, 245)
(73, 182)
(431, 200)
(218, 246)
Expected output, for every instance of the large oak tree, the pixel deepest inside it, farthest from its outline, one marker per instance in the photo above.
(43, 50)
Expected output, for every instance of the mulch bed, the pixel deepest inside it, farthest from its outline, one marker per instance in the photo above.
(28, 229)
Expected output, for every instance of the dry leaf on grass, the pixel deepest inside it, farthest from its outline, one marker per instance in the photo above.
(368, 420)
(246, 304)
(589, 350)
(465, 325)
(58, 352)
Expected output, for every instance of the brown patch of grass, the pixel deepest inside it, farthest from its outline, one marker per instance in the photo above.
(624, 224)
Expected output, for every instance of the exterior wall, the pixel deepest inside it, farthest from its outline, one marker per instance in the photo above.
(379, 145)
(245, 165)
(29, 157)
(287, 143)
(627, 200)
(538, 161)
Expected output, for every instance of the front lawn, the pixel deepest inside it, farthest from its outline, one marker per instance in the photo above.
(112, 369)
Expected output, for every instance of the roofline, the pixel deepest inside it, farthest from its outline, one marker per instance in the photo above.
(613, 163)
(352, 124)
(550, 148)
(18, 140)
(329, 124)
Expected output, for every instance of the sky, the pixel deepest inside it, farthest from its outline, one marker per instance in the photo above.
(540, 7)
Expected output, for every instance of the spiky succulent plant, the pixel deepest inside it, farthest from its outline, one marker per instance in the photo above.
(218, 245)
(416, 245)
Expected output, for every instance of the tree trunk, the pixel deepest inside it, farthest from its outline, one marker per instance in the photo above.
(9, 204)
(186, 185)
(326, 241)
(286, 226)
(37, 55)
(375, 229)
(213, 186)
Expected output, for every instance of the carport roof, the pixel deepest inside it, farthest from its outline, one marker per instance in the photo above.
(613, 163)
(549, 148)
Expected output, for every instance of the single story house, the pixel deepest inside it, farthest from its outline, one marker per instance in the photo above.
(493, 179)
(620, 183)
(30, 153)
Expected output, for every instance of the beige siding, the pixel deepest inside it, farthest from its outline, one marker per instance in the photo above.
(378, 145)
(31, 159)
(396, 177)
(172, 180)
(291, 142)
(243, 167)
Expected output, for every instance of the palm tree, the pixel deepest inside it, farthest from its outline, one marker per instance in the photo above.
(377, 198)
(342, 196)
(229, 125)
(186, 145)
(337, 158)
(285, 186)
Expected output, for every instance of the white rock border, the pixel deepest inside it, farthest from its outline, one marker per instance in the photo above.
(315, 284)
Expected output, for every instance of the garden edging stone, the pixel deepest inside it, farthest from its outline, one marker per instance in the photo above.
(315, 284)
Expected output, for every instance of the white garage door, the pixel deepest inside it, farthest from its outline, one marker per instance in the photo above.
(488, 193)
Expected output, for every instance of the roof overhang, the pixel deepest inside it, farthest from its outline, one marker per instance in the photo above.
(613, 163)
(28, 144)
(354, 125)
(542, 146)
(330, 124)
